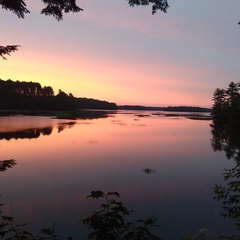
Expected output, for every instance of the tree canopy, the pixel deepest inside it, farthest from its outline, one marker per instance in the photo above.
(16, 95)
(226, 104)
(57, 8)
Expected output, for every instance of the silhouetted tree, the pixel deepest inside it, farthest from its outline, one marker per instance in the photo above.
(233, 99)
(233, 94)
(57, 8)
(25, 95)
(226, 104)
(64, 101)
(89, 103)
(47, 91)
(110, 221)
(31, 96)
(229, 195)
(219, 99)
(226, 137)
(7, 50)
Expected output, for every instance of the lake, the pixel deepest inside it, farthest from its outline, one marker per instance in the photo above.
(163, 167)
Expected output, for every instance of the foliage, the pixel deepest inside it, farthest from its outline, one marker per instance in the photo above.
(7, 50)
(89, 103)
(227, 103)
(57, 8)
(32, 96)
(230, 194)
(161, 5)
(226, 137)
(11, 231)
(24, 88)
(109, 222)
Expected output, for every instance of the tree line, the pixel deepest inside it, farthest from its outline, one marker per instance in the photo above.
(16, 95)
(169, 108)
(226, 106)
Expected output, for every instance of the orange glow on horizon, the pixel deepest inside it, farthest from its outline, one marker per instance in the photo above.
(85, 76)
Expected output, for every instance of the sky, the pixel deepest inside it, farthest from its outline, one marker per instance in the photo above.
(126, 55)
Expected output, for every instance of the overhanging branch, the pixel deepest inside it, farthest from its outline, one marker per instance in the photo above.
(7, 50)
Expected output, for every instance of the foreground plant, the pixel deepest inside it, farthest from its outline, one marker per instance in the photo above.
(9, 230)
(109, 223)
(229, 195)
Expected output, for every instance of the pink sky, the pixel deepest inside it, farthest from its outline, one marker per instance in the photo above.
(125, 55)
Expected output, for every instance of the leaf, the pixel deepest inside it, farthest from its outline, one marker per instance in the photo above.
(96, 194)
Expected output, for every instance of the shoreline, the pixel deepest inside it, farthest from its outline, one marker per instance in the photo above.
(101, 113)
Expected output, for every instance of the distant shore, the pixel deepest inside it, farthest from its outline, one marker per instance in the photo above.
(168, 109)
(103, 113)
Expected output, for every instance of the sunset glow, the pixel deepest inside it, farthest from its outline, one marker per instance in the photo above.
(125, 55)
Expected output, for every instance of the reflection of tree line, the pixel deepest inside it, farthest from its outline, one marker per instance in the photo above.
(37, 132)
(33, 132)
(226, 137)
(27, 133)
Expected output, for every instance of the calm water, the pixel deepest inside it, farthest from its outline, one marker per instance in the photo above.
(61, 162)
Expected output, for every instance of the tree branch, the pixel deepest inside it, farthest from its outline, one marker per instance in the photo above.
(18, 7)
(7, 50)
(56, 8)
(161, 5)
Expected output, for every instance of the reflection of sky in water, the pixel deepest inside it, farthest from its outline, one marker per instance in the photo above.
(55, 173)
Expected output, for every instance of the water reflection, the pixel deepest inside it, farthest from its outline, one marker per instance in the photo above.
(226, 137)
(56, 173)
(149, 170)
(23, 130)
(27, 133)
(62, 126)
